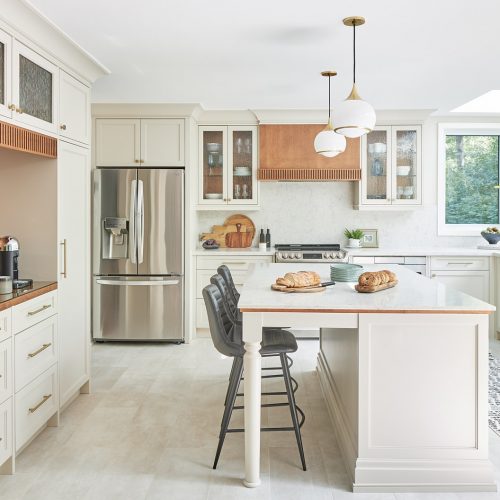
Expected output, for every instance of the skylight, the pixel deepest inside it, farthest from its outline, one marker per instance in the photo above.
(486, 103)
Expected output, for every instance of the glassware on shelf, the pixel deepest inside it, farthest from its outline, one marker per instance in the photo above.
(239, 145)
(377, 168)
(248, 146)
(237, 192)
(244, 193)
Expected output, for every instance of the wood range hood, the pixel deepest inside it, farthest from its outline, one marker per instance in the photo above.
(286, 153)
(27, 141)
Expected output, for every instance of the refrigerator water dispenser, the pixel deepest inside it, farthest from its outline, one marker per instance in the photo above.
(115, 238)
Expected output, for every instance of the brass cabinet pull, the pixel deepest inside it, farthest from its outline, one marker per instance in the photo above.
(44, 399)
(64, 273)
(62, 126)
(459, 263)
(137, 161)
(36, 311)
(234, 263)
(433, 275)
(20, 111)
(141, 161)
(38, 351)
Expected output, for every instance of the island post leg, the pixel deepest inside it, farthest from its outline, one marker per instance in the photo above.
(252, 337)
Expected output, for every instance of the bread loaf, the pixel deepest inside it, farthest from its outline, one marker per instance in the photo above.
(372, 279)
(299, 280)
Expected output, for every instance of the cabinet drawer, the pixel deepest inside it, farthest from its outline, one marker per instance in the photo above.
(33, 311)
(6, 374)
(363, 260)
(35, 351)
(201, 314)
(464, 263)
(6, 449)
(416, 260)
(234, 263)
(35, 404)
(390, 260)
(5, 324)
(203, 279)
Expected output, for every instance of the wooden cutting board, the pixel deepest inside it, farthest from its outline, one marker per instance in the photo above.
(376, 288)
(306, 289)
(219, 232)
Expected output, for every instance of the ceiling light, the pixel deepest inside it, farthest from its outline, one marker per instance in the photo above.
(328, 142)
(354, 117)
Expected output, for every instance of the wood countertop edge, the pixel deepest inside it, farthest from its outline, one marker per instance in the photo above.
(368, 311)
(28, 296)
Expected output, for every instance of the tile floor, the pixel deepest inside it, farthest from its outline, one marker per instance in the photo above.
(149, 431)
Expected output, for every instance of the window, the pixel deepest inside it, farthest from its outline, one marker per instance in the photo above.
(468, 171)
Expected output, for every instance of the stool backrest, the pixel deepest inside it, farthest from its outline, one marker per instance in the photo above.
(229, 304)
(226, 274)
(219, 323)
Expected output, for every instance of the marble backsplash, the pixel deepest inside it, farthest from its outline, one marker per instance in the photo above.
(318, 212)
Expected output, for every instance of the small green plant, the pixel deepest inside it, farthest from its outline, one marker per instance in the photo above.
(353, 234)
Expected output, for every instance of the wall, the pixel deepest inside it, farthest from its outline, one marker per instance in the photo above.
(307, 212)
(28, 211)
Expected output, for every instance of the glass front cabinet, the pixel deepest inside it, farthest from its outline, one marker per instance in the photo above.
(391, 168)
(5, 76)
(228, 166)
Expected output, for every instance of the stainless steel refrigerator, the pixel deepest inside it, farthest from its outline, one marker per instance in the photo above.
(138, 257)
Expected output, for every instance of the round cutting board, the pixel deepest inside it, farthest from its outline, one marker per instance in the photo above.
(245, 222)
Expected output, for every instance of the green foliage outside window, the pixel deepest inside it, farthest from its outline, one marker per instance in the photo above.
(472, 170)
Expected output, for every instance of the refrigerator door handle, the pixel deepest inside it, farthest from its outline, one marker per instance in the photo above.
(132, 223)
(137, 282)
(140, 222)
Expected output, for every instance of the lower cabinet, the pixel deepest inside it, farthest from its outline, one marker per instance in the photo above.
(6, 434)
(206, 266)
(469, 275)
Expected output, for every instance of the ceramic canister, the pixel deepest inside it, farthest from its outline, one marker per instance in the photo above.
(5, 285)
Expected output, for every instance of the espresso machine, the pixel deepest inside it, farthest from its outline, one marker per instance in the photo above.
(9, 261)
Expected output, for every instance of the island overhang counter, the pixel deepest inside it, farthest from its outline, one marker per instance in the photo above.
(404, 373)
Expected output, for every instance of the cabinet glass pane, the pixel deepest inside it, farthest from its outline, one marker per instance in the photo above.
(376, 168)
(242, 164)
(35, 90)
(406, 164)
(2, 73)
(212, 165)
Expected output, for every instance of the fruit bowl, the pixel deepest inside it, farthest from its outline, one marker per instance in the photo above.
(491, 237)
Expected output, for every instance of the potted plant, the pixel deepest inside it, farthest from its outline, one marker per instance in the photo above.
(354, 237)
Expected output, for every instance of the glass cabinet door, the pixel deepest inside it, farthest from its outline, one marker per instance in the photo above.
(242, 166)
(35, 88)
(213, 189)
(406, 174)
(376, 166)
(5, 76)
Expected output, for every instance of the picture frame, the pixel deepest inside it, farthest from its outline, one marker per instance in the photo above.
(370, 238)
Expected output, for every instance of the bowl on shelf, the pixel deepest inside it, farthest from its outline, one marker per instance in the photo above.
(403, 170)
(214, 147)
(213, 196)
(491, 238)
(242, 171)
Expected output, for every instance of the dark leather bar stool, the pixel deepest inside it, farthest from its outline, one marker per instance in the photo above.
(276, 342)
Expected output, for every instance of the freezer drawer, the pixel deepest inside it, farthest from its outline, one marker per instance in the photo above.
(138, 308)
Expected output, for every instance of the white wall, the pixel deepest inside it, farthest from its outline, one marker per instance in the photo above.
(308, 212)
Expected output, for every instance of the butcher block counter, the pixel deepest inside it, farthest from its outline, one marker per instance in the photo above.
(23, 294)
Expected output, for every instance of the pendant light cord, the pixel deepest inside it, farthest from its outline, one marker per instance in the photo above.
(354, 52)
(329, 106)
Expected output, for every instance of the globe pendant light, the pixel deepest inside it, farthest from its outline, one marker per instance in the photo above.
(354, 117)
(327, 142)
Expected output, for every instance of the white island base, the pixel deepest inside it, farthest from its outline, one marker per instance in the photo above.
(408, 397)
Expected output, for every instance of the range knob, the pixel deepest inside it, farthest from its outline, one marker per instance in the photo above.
(285, 256)
(340, 255)
(279, 255)
(297, 256)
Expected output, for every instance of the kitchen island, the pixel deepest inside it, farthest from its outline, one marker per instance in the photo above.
(404, 372)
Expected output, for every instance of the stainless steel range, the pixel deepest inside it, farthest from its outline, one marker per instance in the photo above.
(310, 253)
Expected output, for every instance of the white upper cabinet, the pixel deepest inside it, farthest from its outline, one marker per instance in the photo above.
(162, 143)
(35, 89)
(118, 142)
(74, 105)
(5, 74)
(391, 169)
(139, 142)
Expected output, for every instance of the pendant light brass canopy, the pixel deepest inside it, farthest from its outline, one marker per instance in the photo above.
(354, 117)
(328, 143)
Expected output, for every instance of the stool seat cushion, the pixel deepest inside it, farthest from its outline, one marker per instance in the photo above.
(277, 341)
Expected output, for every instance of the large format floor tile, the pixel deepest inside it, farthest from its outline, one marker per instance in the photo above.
(149, 430)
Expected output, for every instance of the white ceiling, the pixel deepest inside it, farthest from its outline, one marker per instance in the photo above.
(424, 54)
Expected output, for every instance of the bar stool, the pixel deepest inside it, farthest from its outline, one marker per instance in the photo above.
(275, 343)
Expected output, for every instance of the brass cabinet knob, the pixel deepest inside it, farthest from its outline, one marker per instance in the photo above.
(137, 161)
(62, 126)
(20, 111)
(12, 107)
(433, 275)
(229, 199)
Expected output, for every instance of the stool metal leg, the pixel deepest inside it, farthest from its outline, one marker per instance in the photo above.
(293, 408)
(228, 410)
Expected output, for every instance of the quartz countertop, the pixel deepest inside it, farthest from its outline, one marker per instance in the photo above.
(414, 293)
(23, 294)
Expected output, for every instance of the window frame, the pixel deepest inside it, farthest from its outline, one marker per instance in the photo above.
(445, 129)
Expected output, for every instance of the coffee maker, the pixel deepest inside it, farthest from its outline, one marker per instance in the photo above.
(9, 261)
